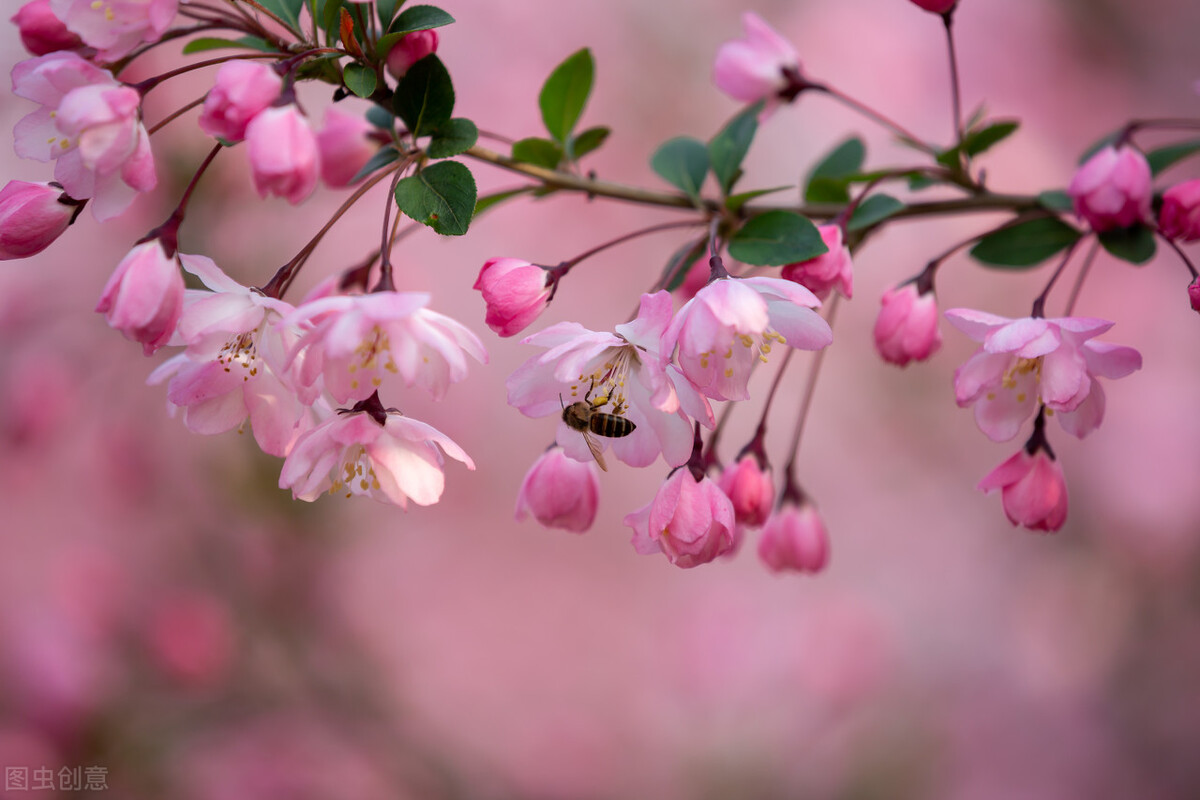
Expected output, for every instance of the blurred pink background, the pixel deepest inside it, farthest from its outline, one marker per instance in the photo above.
(168, 614)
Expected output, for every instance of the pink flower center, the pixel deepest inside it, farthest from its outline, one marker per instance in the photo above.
(760, 346)
(605, 385)
(369, 353)
(358, 474)
(241, 350)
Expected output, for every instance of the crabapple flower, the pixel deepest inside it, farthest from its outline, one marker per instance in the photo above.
(41, 31)
(381, 454)
(235, 367)
(937, 6)
(90, 124)
(621, 373)
(794, 538)
(515, 291)
(32, 216)
(907, 326)
(1033, 490)
(750, 488)
(116, 27)
(353, 341)
(828, 271)
(690, 521)
(345, 146)
(560, 492)
(144, 297)
(730, 325)
(241, 91)
(411, 48)
(760, 66)
(1180, 215)
(284, 157)
(1026, 362)
(1112, 188)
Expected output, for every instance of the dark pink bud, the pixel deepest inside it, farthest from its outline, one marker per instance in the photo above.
(907, 326)
(515, 291)
(1112, 188)
(144, 297)
(41, 31)
(1033, 490)
(828, 271)
(411, 48)
(560, 492)
(750, 489)
(794, 538)
(937, 6)
(1194, 294)
(31, 217)
(1180, 215)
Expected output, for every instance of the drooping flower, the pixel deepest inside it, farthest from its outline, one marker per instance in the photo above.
(560, 492)
(515, 291)
(411, 48)
(116, 27)
(144, 297)
(284, 158)
(32, 216)
(830, 270)
(41, 31)
(751, 490)
(346, 146)
(1033, 490)
(241, 91)
(690, 521)
(380, 454)
(1180, 215)
(622, 373)
(354, 341)
(1030, 361)
(1112, 189)
(730, 325)
(760, 66)
(90, 124)
(794, 538)
(907, 326)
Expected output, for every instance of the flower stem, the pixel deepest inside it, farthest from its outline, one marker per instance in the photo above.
(955, 91)
(1039, 304)
(806, 403)
(1187, 262)
(1083, 273)
(887, 122)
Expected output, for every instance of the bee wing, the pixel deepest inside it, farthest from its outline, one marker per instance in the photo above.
(596, 450)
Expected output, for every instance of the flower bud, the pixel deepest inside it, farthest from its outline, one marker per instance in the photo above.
(515, 291)
(828, 271)
(560, 492)
(689, 521)
(1180, 215)
(794, 538)
(1112, 188)
(750, 489)
(345, 146)
(242, 91)
(41, 31)
(284, 158)
(1033, 490)
(937, 6)
(907, 326)
(31, 217)
(411, 48)
(1194, 294)
(759, 66)
(144, 297)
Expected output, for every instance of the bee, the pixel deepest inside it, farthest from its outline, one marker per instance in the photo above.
(582, 416)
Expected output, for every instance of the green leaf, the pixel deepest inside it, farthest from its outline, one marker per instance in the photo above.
(727, 149)
(827, 182)
(1056, 200)
(776, 238)
(1134, 244)
(286, 10)
(456, 136)
(874, 209)
(1025, 244)
(976, 142)
(681, 261)
(1164, 157)
(424, 98)
(683, 163)
(735, 202)
(492, 200)
(213, 43)
(380, 117)
(386, 10)
(587, 141)
(378, 161)
(540, 152)
(328, 15)
(416, 18)
(565, 93)
(441, 196)
(360, 80)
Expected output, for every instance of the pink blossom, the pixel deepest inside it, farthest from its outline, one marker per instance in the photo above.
(411, 48)
(690, 521)
(284, 157)
(116, 27)
(236, 364)
(91, 125)
(730, 325)
(144, 297)
(794, 538)
(345, 145)
(1024, 362)
(353, 342)
(828, 271)
(759, 66)
(621, 373)
(560, 492)
(392, 459)
(32, 216)
(515, 291)
(1194, 294)
(1033, 490)
(41, 31)
(1112, 188)
(907, 326)
(241, 91)
(937, 6)
(750, 488)
(1180, 215)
